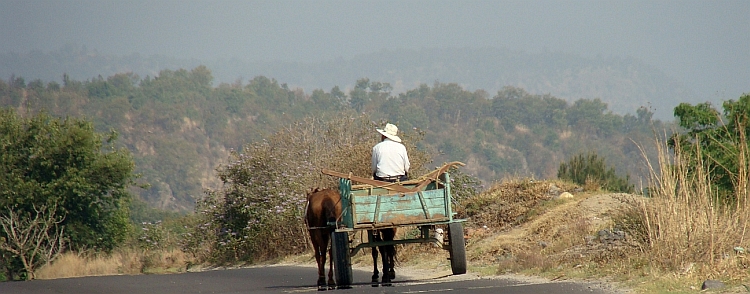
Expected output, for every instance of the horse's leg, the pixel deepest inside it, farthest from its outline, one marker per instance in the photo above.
(331, 281)
(392, 261)
(389, 235)
(386, 279)
(373, 236)
(319, 258)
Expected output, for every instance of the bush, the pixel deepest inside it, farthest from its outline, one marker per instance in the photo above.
(258, 214)
(686, 220)
(590, 169)
(717, 141)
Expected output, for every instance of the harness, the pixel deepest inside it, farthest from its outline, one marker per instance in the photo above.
(309, 228)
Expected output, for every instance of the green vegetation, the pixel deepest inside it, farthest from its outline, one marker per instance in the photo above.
(718, 141)
(246, 155)
(63, 165)
(591, 169)
(179, 127)
(258, 214)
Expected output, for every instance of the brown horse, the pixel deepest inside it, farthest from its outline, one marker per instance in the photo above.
(388, 253)
(323, 208)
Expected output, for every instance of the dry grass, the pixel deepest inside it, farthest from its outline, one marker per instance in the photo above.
(686, 229)
(120, 262)
(509, 203)
(677, 238)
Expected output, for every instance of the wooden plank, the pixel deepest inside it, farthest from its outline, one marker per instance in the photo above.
(400, 208)
(396, 224)
(386, 185)
(424, 206)
(421, 182)
(434, 196)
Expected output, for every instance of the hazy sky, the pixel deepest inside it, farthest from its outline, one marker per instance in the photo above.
(704, 44)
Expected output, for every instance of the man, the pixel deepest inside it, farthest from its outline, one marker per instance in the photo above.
(390, 163)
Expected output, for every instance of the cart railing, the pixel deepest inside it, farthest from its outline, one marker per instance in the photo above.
(369, 209)
(376, 204)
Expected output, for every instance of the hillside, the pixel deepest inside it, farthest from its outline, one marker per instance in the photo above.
(623, 83)
(180, 128)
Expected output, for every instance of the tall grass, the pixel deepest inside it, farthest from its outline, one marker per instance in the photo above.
(685, 226)
(125, 261)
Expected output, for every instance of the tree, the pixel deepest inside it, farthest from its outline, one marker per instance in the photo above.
(35, 239)
(46, 160)
(719, 141)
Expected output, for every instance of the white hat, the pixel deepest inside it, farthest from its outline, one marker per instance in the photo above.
(390, 132)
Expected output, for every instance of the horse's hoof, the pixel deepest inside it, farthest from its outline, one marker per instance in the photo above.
(322, 288)
(331, 287)
(386, 282)
(392, 274)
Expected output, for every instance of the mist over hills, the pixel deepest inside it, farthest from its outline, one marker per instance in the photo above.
(625, 84)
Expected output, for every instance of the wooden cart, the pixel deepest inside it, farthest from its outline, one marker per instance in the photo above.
(371, 205)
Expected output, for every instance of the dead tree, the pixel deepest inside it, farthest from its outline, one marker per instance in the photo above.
(35, 238)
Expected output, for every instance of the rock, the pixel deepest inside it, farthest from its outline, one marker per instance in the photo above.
(564, 195)
(554, 190)
(712, 284)
(590, 240)
(615, 236)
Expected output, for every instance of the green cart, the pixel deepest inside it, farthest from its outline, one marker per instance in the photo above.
(424, 203)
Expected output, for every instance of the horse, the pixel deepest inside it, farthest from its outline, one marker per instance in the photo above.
(323, 208)
(388, 253)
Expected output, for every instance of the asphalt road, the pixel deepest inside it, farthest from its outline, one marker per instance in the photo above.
(280, 279)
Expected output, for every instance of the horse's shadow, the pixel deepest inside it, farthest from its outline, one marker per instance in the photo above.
(362, 284)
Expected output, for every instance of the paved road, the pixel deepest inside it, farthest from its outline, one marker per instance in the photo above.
(278, 279)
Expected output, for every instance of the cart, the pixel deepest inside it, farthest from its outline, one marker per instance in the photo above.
(371, 205)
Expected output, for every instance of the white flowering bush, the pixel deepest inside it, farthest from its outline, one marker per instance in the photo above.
(258, 214)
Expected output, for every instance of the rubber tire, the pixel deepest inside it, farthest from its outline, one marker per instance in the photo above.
(342, 264)
(457, 248)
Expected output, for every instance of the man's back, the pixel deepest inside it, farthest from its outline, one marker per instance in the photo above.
(389, 159)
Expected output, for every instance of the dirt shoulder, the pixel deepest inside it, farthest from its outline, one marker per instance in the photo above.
(507, 253)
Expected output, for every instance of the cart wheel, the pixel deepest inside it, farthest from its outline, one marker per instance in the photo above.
(341, 260)
(457, 248)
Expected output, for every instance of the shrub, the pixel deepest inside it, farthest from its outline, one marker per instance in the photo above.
(588, 169)
(686, 220)
(258, 213)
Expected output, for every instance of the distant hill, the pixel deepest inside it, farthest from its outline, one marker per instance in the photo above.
(180, 127)
(623, 83)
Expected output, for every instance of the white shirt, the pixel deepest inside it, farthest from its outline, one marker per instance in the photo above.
(389, 159)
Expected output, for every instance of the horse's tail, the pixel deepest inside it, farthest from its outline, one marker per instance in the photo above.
(331, 214)
(310, 193)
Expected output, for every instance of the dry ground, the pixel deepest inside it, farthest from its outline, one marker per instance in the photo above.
(545, 235)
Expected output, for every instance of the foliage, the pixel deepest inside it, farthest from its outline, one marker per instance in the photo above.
(46, 160)
(258, 213)
(716, 140)
(582, 169)
(463, 185)
(683, 223)
(179, 126)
